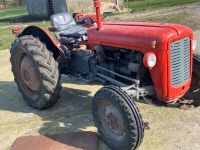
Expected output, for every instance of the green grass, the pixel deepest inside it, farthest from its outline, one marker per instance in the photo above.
(13, 12)
(139, 5)
(7, 21)
(183, 18)
(6, 38)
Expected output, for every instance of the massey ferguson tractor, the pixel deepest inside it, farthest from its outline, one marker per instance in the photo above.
(149, 61)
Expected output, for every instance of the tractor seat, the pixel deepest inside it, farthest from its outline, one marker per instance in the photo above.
(66, 29)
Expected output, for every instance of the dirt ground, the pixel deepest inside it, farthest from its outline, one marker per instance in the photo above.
(170, 128)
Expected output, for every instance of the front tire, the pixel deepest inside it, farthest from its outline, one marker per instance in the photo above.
(35, 71)
(194, 91)
(117, 118)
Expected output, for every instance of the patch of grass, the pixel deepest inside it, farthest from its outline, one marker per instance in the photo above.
(16, 16)
(6, 38)
(13, 12)
(20, 20)
(139, 5)
(183, 18)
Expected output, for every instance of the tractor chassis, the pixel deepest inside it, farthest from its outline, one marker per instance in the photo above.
(134, 90)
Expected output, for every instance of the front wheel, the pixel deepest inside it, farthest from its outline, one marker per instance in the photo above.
(36, 72)
(117, 118)
(194, 91)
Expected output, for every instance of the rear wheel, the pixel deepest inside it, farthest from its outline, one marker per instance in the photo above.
(194, 91)
(36, 72)
(118, 120)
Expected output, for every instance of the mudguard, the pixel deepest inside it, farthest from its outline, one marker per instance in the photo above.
(44, 37)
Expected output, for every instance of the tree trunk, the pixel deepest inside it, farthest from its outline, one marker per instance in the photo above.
(4, 3)
(120, 3)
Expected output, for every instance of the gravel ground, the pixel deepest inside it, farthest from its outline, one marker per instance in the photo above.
(170, 128)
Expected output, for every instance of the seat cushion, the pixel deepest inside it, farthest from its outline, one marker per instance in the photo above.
(65, 40)
(62, 21)
(74, 31)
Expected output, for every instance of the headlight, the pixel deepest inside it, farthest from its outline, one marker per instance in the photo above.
(194, 45)
(149, 60)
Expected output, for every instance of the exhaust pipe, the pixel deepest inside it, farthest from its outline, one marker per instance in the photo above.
(97, 5)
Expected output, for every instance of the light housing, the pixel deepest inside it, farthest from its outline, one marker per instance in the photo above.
(194, 45)
(16, 30)
(149, 60)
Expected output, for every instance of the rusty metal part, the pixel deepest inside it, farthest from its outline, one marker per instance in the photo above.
(29, 75)
(69, 141)
(114, 120)
(186, 104)
(182, 104)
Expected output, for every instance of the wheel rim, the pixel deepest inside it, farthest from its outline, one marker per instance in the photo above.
(28, 74)
(114, 120)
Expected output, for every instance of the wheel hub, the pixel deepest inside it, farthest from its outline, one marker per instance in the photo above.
(29, 75)
(114, 120)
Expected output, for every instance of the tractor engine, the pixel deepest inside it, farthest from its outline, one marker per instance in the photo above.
(127, 65)
(117, 65)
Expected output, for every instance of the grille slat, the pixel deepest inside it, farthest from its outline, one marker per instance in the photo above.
(180, 61)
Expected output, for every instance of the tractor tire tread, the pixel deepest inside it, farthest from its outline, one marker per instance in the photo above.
(131, 111)
(47, 69)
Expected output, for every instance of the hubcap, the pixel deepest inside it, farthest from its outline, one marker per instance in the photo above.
(114, 120)
(29, 75)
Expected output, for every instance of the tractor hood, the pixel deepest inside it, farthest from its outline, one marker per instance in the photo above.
(136, 36)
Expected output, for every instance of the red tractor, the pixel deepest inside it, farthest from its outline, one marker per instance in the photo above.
(140, 60)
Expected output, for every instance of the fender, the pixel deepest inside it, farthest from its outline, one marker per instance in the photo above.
(44, 37)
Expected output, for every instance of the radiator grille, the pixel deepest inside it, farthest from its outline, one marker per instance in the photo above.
(180, 61)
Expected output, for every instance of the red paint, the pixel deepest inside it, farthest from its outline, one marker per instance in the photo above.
(97, 5)
(16, 30)
(80, 16)
(139, 36)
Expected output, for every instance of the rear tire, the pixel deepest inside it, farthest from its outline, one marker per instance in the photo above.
(117, 119)
(36, 72)
(194, 91)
